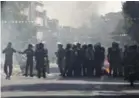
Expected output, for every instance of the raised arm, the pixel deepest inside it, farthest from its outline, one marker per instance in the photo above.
(14, 50)
(22, 52)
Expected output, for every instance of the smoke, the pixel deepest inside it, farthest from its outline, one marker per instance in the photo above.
(79, 13)
(39, 36)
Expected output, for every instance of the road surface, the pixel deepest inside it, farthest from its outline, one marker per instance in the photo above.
(55, 86)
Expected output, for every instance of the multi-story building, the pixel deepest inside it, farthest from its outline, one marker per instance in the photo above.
(38, 16)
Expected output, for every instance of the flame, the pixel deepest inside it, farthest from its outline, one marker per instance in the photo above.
(107, 66)
(107, 70)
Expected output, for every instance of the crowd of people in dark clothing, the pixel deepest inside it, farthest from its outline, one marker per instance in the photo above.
(76, 60)
(80, 60)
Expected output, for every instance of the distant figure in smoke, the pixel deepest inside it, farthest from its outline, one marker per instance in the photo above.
(60, 58)
(29, 63)
(84, 60)
(79, 62)
(8, 60)
(125, 58)
(90, 60)
(40, 55)
(131, 60)
(114, 57)
(75, 62)
(99, 59)
(68, 61)
(76, 59)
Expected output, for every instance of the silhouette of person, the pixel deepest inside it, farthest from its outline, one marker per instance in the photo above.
(75, 65)
(99, 59)
(8, 51)
(29, 62)
(84, 59)
(60, 58)
(132, 69)
(68, 61)
(114, 57)
(79, 62)
(40, 55)
(90, 60)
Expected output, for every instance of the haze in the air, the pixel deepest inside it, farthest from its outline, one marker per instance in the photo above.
(75, 14)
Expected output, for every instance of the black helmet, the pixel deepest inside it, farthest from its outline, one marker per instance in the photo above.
(41, 45)
(30, 46)
(90, 46)
(68, 46)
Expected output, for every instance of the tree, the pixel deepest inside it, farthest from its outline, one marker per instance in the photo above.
(13, 29)
(131, 14)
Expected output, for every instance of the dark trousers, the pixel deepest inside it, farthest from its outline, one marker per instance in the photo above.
(98, 70)
(117, 69)
(41, 68)
(77, 68)
(60, 65)
(29, 66)
(90, 68)
(8, 73)
(70, 71)
(84, 67)
(98, 66)
(67, 68)
(41, 72)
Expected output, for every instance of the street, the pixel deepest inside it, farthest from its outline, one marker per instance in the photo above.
(89, 38)
(55, 86)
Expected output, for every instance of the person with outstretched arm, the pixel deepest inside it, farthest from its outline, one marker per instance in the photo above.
(29, 63)
(8, 51)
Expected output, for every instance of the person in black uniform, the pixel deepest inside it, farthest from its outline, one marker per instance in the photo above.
(132, 61)
(84, 60)
(29, 62)
(40, 55)
(75, 58)
(99, 59)
(126, 48)
(68, 61)
(90, 60)
(8, 51)
(78, 60)
(60, 54)
(114, 58)
(125, 58)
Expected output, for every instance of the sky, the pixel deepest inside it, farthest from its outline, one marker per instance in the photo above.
(77, 13)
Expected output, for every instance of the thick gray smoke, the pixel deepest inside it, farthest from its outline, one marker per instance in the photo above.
(77, 13)
(86, 17)
(82, 18)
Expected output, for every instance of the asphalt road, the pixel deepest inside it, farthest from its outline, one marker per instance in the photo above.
(55, 86)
